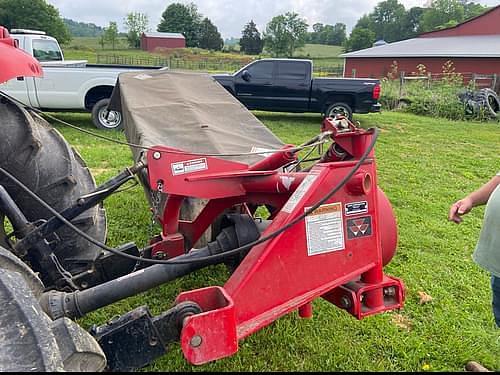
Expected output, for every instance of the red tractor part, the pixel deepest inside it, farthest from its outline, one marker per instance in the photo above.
(329, 233)
(14, 62)
(337, 252)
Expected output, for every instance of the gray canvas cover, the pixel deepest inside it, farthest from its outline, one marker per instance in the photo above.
(189, 111)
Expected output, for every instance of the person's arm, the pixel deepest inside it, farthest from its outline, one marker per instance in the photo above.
(476, 198)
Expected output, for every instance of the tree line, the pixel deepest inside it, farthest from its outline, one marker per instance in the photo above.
(391, 22)
(284, 34)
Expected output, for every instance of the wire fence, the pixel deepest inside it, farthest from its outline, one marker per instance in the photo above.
(202, 64)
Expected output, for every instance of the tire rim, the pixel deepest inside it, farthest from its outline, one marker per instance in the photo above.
(338, 109)
(110, 119)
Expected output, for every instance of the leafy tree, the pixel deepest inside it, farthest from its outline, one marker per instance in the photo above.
(285, 33)
(209, 37)
(328, 34)
(411, 24)
(472, 9)
(387, 20)
(364, 22)
(111, 33)
(251, 42)
(360, 38)
(136, 23)
(441, 13)
(33, 14)
(185, 19)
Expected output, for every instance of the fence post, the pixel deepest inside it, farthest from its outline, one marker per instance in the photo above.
(401, 82)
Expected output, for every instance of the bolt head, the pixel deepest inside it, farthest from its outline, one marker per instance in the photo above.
(196, 341)
(157, 155)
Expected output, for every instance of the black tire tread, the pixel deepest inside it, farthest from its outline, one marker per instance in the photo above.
(39, 156)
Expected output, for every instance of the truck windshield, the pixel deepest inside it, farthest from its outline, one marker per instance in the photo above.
(46, 50)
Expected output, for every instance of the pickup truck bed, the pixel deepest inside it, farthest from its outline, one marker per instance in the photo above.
(67, 85)
(287, 85)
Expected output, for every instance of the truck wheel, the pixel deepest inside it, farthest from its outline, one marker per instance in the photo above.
(104, 119)
(37, 155)
(339, 108)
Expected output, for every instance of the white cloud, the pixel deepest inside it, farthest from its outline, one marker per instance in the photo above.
(228, 15)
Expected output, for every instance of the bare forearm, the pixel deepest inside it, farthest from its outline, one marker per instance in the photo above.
(481, 196)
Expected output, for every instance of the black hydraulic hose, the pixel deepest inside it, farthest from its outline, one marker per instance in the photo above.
(238, 250)
(79, 303)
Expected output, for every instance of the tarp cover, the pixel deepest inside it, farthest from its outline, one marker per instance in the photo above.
(188, 111)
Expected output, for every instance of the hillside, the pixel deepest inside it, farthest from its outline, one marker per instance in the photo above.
(82, 29)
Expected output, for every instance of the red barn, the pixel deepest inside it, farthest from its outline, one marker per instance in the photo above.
(151, 41)
(473, 46)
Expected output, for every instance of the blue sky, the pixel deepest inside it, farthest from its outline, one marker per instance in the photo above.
(228, 15)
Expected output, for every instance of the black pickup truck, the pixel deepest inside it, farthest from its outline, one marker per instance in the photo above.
(287, 85)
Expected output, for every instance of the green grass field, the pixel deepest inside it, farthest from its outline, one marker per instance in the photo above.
(83, 48)
(424, 165)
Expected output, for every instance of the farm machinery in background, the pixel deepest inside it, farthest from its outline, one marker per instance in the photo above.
(329, 232)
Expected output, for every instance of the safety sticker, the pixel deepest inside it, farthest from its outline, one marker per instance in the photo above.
(359, 227)
(325, 230)
(356, 208)
(299, 193)
(189, 166)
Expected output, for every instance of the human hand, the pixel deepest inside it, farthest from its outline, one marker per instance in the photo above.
(459, 208)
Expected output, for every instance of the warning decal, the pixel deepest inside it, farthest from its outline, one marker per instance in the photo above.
(325, 230)
(360, 227)
(189, 166)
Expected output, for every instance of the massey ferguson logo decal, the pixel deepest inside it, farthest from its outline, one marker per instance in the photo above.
(360, 227)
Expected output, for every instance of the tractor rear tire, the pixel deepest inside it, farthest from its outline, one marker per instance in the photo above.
(38, 155)
(488, 99)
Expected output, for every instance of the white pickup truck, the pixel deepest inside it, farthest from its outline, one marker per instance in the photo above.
(66, 85)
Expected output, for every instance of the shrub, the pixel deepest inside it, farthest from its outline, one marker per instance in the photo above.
(437, 95)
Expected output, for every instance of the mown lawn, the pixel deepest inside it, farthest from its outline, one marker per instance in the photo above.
(424, 165)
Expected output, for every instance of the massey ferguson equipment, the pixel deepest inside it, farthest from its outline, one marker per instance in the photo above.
(329, 232)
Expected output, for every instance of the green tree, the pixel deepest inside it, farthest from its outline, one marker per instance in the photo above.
(33, 14)
(185, 19)
(209, 37)
(285, 33)
(135, 23)
(387, 20)
(472, 9)
(360, 38)
(442, 13)
(251, 42)
(411, 25)
(111, 33)
(328, 34)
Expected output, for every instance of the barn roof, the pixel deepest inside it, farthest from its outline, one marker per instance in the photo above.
(451, 46)
(164, 35)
